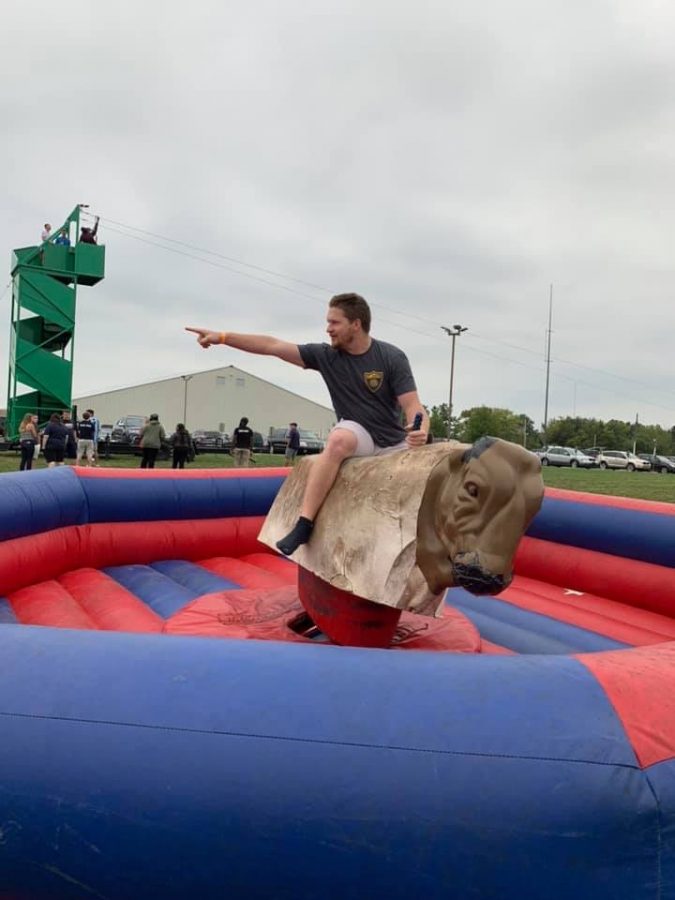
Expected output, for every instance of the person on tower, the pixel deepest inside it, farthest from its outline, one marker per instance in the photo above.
(88, 235)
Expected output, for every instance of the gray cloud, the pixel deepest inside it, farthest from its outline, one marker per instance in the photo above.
(449, 161)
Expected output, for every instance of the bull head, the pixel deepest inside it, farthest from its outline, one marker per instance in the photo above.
(476, 506)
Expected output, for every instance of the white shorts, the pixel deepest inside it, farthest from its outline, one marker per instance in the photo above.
(365, 445)
(85, 446)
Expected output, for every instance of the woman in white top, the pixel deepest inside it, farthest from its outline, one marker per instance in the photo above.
(28, 437)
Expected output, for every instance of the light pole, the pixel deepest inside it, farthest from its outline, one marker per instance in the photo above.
(185, 378)
(548, 364)
(453, 332)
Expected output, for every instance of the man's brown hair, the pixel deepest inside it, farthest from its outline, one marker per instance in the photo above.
(354, 307)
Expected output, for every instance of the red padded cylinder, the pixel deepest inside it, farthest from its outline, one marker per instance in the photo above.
(347, 619)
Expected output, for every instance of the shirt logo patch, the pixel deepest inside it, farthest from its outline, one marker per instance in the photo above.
(373, 380)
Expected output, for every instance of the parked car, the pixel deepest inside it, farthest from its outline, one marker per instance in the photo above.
(105, 431)
(565, 456)
(310, 442)
(260, 443)
(127, 429)
(205, 439)
(658, 463)
(622, 459)
(276, 440)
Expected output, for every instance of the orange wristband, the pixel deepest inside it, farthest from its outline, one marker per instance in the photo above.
(223, 337)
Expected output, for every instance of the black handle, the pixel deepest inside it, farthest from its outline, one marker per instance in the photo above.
(417, 422)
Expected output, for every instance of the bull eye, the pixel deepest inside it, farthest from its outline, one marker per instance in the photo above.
(471, 488)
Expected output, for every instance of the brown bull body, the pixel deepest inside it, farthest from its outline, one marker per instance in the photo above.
(399, 529)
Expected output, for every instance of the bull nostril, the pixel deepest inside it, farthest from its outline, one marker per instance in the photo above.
(476, 580)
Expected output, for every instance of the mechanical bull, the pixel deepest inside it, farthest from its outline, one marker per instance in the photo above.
(397, 530)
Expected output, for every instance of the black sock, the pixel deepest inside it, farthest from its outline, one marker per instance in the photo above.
(300, 535)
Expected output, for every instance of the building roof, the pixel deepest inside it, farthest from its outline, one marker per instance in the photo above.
(127, 387)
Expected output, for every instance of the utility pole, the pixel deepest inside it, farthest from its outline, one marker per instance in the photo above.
(548, 364)
(185, 378)
(635, 433)
(454, 333)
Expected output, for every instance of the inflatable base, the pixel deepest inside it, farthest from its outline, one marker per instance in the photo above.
(278, 615)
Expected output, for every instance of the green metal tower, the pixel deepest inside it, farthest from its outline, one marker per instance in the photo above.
(42, 333)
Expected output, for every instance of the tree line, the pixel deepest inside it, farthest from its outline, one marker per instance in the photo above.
(568, 431)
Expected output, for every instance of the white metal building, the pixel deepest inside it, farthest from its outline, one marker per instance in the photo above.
(214, 400)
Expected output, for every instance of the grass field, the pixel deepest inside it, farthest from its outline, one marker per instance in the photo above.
(9, 461)
(645, 485)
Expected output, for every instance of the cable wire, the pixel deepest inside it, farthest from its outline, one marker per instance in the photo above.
(161, 241)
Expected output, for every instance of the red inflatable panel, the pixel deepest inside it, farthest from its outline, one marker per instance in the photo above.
(40, 557)
(639, 584)
(657, 624)
(267, 614)
(125, 543)
(111, 606)
(494, 649)
(451, 632)
(278, 565)
(49, 603)
(261, 614)
(608, 617)
(640, 685)
(244, 573)
(650, 506)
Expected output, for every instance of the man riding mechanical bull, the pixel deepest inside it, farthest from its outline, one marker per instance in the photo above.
(369, 382)
(396, 531)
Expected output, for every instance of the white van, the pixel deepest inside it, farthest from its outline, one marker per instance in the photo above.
(622, 459)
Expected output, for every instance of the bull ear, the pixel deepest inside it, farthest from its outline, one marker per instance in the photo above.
(431, 553)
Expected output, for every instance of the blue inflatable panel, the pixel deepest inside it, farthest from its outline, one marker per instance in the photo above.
(120, 500)
(629, 533)
(194, 577)
(267, 787)
(662, 780)
(547, 700)
(163, 595)
(7, 616)
(519, 640)
(524, 631)
(33, 502)
(135, 765)
(268, 833)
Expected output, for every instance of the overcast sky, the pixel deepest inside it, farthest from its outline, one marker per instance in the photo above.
(448, 160)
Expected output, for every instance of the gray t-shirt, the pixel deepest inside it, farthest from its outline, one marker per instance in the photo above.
(364, 387)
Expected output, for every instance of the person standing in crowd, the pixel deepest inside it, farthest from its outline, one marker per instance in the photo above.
(242, 440)
(85, 440)
(71, 440)
(152, 437)
(292, 443)
(181, 441)
(97, 434)
(370, 383)
(46, 232)
(28, 439)
(54, 439)
(62, 238)
(38, 446)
